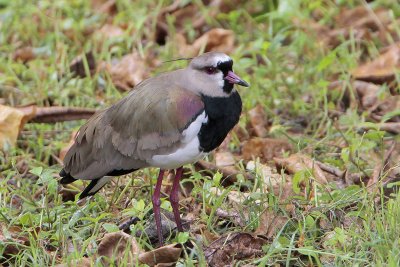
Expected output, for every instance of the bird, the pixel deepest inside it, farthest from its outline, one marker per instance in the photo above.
(166, 121)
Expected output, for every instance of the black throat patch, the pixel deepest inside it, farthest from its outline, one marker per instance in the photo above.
(225, 67)
(223, 114)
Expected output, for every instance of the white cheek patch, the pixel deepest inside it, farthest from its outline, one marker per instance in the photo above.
(220, 79)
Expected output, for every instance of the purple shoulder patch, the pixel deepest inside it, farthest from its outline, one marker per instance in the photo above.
(188, 107)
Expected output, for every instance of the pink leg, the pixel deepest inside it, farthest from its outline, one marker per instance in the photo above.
(174, 198)
(156, 207)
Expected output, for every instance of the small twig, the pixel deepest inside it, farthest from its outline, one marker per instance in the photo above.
(58, 114)
(330, 169)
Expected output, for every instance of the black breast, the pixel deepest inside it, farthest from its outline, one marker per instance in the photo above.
(223, 113)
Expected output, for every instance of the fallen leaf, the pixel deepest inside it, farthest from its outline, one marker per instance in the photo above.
(264, 148)
(168, 254)
(11, 122)
(108, 7)
(367, 92)
(210, 236)
(268, 176)
(229, 173)
(360, 24)
(83, 262)
(391, 127)
(233, 215)
(217, 39)
(299, 162)
(183, 13)
(168, 226)
(223, 159)
(270, 223)
(377, 100)
(24, 54)
(77, 66)
(12, 241)
(107, 32)
(381, 69)
(127, 72)
(363, 17)
(233, 197)
(118, 246)
(233, 247)
(380, 167)
(258, 120)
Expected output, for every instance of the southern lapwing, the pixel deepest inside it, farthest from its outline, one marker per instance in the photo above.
(166, 121)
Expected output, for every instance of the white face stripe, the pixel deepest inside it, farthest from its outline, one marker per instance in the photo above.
(220, 59)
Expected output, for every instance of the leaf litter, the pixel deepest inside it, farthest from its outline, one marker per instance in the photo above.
(276, 161)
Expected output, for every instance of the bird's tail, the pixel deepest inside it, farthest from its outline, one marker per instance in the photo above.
(66, 178)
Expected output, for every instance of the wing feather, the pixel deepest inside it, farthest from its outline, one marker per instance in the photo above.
(148, 121)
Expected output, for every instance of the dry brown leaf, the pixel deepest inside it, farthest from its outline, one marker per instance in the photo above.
(380, 167)
(229, 173)
(168, 226)
(381, 69)
(368, 93)
(218, 39)
(233, 247)
(120, 246)
(258, 120)
(270, 224)
(183, 14)
(168, 254)
(299, 162)
(77, 65)
(116, 246)
(12, 240)
(83, 262)
(362, 17)
(233, 197)
(223, 159)
(210, 236)
(360, 24)
(268, 176)
(107, 32)
(11, 122)
(370, 97)
(234, 215)
(24, 54)
(264, 148)
(128, 72)
(391, 127)
(108, 7)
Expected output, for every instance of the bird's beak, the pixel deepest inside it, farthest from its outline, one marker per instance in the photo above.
(233, 78)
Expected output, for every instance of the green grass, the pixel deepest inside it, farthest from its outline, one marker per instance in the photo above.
(289, 73)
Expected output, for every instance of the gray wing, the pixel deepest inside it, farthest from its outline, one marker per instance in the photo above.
(148, 121)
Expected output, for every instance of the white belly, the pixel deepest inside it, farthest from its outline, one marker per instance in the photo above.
(189, 151)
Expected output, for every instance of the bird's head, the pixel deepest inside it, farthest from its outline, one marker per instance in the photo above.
(211, 74)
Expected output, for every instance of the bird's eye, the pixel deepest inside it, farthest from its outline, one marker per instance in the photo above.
(210, 70)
